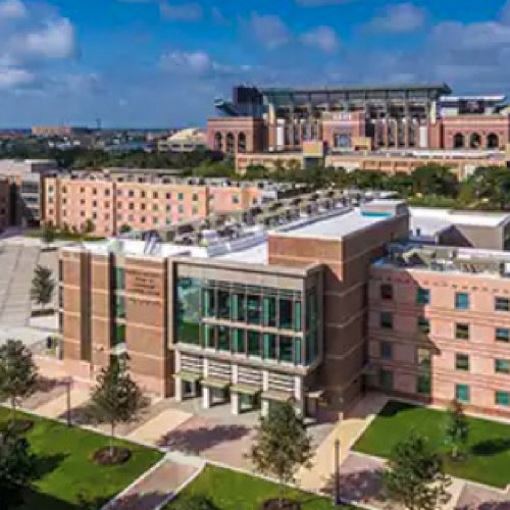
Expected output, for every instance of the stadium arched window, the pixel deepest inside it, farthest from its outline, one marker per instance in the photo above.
(492, 141)
(241, 142)
(475, 141)
(230, 143)
(218, 142)
(458, 141)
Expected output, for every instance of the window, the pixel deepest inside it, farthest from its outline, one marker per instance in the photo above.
(253, 343)
(502, 366)
(194, 197)
(386, 291)
(120, 334)
(386, 379)
(223, 338)
(269, 346)
(285, 308)
(462, 362)
(423, 384)
(502, 304)
(386, 350)
(120, 307)
(238, 341)
(423, 325)
(422, 296)
(286, 349)
(502, 335)
(462, 392)
(238, 307)
(180, 196)
(120, 278)
(223, 304)
(269, 311)
(461, 301)
(386, 320)
(502, 398)
(235, 199)
(253, 309)
(209, 339)
(423, 357)
(462, 331)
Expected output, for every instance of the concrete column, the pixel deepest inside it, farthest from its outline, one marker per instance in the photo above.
(265, 380)
(265, 407)
(178, 389)
(299, 395)
(206, 397)
(235, 403)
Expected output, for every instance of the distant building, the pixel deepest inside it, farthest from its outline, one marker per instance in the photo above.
(26, 190)
(111, 202)
(186, 140)
(59, 131)
(349, 118)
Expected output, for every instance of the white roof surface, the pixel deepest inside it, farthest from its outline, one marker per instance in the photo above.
(451, 217)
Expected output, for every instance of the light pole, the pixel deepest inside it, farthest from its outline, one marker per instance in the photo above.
(337, 472)
(68, 383)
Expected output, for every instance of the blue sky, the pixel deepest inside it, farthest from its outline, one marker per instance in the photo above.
(158, 63)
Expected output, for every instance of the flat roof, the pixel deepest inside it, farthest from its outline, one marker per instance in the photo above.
(250, 249)
(439, 87)
(431, 215)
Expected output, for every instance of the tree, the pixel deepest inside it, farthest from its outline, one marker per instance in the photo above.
(18, 373)
(124, 229)
(48, 234)
(281, 445)
(116, 398)
(414, 476)
(433, 179)
(43, 286)
(457, 429)
(17, 467)
(88, 227)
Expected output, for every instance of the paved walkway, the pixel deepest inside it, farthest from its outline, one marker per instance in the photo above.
(156, 487)
(152, 431)
(347, 431)
(57, 407)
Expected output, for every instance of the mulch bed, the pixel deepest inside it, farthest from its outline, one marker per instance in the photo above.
(111, 457)
(277, 504)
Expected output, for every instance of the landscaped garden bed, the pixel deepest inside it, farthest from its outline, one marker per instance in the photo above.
(231, 490)
(487, 457)
(67, 475)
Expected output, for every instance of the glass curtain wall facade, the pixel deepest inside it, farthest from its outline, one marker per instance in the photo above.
(258, 322)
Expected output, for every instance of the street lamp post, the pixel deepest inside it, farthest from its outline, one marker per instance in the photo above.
(68, 383)
(337, 472)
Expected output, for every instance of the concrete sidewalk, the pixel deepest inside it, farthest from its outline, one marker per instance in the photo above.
(347, 431)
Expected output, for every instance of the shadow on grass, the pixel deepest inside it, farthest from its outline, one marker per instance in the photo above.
(392, 408)
(45, 464)
(491, 447)
(202, 438)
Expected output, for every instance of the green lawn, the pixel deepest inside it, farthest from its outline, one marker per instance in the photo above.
(489, 442)
(230, 490)
(65, 468)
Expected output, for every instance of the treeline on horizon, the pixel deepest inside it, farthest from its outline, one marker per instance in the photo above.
(488, 188)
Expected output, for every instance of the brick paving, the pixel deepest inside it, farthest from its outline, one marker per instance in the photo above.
(155, 488)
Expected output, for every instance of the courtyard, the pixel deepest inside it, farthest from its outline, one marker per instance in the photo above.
(488, 448)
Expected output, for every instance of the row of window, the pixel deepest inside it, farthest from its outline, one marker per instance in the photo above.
(282, 348)
(131, 193)
(423, 387)
(461, 299)
(462, 329)
(501, 366)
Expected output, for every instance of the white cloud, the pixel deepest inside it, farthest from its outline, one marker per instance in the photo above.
(269, 30)
(196, 62)
(11, 77)
(405, 17)
(322, 37)
(181, 12)
(55, 40)
(12, 9)
(471, 36)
